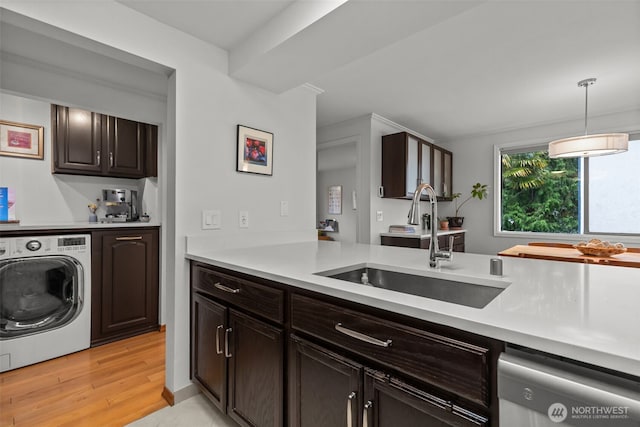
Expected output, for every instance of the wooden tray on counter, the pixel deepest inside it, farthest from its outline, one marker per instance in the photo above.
(567, 253)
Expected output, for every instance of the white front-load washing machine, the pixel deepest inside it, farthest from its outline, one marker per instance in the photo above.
(45, 298)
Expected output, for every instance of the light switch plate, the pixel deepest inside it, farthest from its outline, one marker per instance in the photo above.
(243, 219)
(284, 208)
(211, 219)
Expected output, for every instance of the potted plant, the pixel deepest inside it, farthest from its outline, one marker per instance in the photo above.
(478, 191)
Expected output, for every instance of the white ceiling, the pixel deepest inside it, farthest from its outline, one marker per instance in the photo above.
(446, 69)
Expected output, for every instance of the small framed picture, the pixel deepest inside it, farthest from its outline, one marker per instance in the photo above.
(335, 199)
(21, 140)
(255, 151)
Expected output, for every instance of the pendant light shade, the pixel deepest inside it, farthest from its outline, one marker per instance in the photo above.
(589, 145)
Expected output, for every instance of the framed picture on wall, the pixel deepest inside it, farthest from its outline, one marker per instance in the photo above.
(21, 140)
(335, 199)
(255, 151)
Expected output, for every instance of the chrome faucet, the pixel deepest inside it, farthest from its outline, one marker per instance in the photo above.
(414, 219)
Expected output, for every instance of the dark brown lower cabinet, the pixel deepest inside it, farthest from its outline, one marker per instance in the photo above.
(390, 402)
(325, 389)
(413, 242)
(256, 371)
(125, 284)
(238, 362)
(346, 364)
(208, 362)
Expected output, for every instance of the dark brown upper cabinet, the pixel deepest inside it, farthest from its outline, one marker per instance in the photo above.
(88, 143)
(408, 161)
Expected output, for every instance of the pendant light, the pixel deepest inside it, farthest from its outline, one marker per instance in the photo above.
(589, 145)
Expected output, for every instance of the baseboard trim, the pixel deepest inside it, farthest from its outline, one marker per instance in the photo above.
(180, 395)
(168, 396)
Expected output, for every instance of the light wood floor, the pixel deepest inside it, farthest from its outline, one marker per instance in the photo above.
(110, 385)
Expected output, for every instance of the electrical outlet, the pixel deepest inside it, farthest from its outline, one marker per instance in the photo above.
(379, 216)
(284, 208)
(243, 219)
(211, 220)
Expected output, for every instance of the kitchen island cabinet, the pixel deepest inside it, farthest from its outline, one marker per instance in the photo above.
(238, 329)
(125, 283)
(237, 346)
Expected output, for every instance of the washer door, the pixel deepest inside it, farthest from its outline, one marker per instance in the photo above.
(38, 294)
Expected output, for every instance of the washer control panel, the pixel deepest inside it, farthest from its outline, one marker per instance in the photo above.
(43, 245)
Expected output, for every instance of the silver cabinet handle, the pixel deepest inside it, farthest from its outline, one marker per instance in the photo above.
(218, 329)
(350, 402)
(226, 289)
(129, 238)
(98, 157)
(111, 158)
(365, 413)
(362, 337)
(228, 331)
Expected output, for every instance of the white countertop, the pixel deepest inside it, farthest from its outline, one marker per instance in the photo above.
(423, 234)
(74, 225)
(580, 311)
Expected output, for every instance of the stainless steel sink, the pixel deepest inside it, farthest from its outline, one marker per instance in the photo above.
(468, 294)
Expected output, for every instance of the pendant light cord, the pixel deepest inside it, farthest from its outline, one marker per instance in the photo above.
(586, 102)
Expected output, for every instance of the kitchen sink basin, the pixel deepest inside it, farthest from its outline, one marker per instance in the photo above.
(468, 294)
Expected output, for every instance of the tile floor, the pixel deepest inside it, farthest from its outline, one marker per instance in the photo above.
(193, 412)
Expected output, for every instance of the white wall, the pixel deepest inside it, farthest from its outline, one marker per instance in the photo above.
(201, 140)
(473, 162)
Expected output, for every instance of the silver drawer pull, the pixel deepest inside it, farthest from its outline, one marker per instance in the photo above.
(129, 238)
(365, 413)
(218, 329)
(227, 352)
(362, 337)
(350, 401)
(226, 289)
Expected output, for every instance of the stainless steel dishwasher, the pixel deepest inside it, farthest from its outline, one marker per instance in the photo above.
(541, 391)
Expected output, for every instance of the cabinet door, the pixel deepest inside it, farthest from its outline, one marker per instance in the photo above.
(256, 372)
(127, 142)
(447, 189)
(208, 361)
(129, 281)
(437, 182)
(389, 402)
(325, 389)
(77, 137)
(425, 163)
(413, 160)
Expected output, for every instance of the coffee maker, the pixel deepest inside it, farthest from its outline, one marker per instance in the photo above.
(120, 205)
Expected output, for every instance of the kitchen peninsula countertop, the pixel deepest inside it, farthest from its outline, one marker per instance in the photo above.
(580, 311)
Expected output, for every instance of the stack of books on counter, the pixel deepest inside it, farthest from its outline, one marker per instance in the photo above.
(408, 229)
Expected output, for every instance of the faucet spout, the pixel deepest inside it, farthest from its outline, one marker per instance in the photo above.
(414, 219)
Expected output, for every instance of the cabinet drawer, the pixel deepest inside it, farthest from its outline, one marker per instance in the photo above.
(450, 364)
(256, 298)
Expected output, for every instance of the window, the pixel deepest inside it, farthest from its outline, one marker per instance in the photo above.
(574, 196)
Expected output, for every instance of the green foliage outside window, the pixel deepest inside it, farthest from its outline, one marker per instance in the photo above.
(540, 194)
